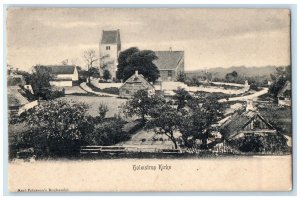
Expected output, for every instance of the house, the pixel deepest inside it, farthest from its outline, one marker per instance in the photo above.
(170, 64)
(63, 75)
(109, 49)
(17, 103)
(284, 94)
(133, 84)
(245, 123)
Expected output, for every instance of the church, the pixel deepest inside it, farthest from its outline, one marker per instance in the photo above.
(169, 63)
(109, 49)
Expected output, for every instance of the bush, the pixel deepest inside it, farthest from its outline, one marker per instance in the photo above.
(108, 132)
(111, 90)
(54, 94)
(261, 144)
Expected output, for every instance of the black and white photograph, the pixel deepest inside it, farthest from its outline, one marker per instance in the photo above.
(149, 99)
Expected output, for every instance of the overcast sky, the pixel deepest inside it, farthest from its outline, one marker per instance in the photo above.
(209, 37)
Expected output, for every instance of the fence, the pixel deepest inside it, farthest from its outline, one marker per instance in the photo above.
(124, 149)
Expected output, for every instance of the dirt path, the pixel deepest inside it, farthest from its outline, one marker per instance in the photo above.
(247, 97)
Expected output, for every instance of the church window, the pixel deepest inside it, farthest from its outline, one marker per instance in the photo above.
(107, 47)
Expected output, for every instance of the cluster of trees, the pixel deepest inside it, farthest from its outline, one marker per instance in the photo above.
(133, 59)
(282, 75)
(192, 116)
(59, 128)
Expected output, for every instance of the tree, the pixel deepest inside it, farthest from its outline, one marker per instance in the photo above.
(106, 75)
(94, 72)
(181, 97)
(196, 122)
(107, 132)
(133, 59)
(181, 77)
(103, 109)
(231, 77)
(282, 75)
(140, 104)
(164, 120)
(40, 80)
(57, 127)
(90, 58)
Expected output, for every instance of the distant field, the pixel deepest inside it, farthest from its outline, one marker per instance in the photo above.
(93, 102)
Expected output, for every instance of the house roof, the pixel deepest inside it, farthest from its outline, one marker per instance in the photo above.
(15, 98)
(61, 69)
(168, 60)
(137, 78)
(239, 120)
(286, 87)
(110, 37)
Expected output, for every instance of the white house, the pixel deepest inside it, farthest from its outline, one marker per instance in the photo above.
(63, 75)
(135, 83)
(109, 49)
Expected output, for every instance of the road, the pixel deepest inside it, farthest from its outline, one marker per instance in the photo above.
(247, 97)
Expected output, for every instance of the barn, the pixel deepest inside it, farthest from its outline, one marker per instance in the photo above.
(63, 75)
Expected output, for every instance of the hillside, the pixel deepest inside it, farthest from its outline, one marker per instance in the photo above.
(220, 72)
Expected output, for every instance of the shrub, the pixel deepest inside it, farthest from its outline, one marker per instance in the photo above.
(111, 90)
(108, 132)
(54, 94)
(261, 144)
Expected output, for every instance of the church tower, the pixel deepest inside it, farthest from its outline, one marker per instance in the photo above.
(109, 49)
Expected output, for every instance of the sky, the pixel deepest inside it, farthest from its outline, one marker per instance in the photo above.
(209, 37)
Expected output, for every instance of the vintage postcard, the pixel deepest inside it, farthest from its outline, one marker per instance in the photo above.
(149, 99)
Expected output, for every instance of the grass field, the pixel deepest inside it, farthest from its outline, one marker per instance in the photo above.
(93, 102)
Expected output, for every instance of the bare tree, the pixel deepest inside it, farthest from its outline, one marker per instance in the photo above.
(90, 57)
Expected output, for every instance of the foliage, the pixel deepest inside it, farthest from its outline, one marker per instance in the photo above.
(56, 127)
(196, 122)
(94, 72)
(254, 86)
(261, 144)
(107, 132)
(181, 77)
(133, 59)
(140, 104)
(194, 81)
(164, 120)
(181, 97)
(282, 75)
(106, 75)
(53, 94)
(103, 109)
(40, 80)
(110, 90)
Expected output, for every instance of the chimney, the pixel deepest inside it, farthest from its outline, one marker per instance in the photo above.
(136, 73)
(249, 105)
(170, 48)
